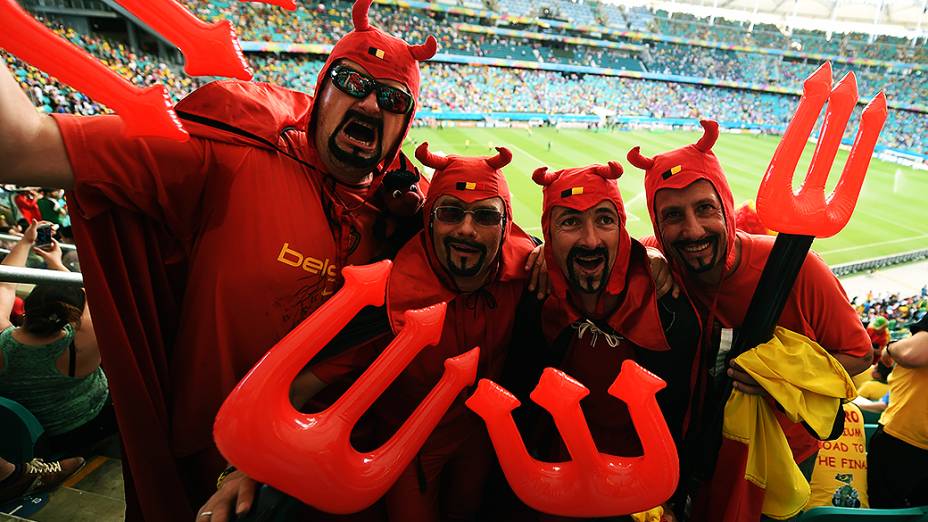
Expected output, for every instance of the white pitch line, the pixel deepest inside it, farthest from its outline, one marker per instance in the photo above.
(895, 223)
(868, 245)
(526, 154)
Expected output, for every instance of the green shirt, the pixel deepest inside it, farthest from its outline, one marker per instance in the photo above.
(29, 376)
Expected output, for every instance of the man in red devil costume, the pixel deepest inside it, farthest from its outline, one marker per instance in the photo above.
(691, 207)
(604, 307)
(472, 256)
(199, 256)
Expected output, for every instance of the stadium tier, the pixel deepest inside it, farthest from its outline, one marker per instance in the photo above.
(549, 58)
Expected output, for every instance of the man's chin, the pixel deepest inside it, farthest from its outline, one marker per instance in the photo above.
(588, 285)
(355, 159)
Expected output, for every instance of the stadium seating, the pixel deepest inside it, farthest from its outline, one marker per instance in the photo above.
(836, 514)
(472, 89)
(20, 431)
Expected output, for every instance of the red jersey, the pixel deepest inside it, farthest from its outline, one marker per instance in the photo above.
(817, 307)
(250, 227)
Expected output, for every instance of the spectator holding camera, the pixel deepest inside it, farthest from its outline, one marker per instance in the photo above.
(51, 364)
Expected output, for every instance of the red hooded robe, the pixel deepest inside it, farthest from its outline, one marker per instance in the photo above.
(483, 318)
(817, 307)
(590, 357)
(199, 256)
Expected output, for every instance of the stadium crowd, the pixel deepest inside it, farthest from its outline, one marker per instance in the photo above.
(482, 276)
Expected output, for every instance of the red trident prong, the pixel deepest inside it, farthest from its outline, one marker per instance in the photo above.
(209, 49)
(286, 4)
(808, 212)
(144, 112)
(309, 456)
(593, 484)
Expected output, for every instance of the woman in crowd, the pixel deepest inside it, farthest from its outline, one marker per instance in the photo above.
(50, 364)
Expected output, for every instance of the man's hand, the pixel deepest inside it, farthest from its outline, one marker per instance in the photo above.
(743, 382)
(661, 274)
(539, 278)
(235, 496)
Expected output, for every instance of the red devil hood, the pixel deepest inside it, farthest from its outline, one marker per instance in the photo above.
(418, 278)
(681, 167)
(384, 57)
(580, 189)
(250, 113)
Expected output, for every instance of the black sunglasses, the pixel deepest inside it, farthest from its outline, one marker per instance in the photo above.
(357, 85)
(488, 217)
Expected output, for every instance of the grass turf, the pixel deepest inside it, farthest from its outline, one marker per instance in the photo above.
(885, 221)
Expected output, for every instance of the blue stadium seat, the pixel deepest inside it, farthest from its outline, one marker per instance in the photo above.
(869, 429)
(836, 514)
(20, 431)
(871, 417)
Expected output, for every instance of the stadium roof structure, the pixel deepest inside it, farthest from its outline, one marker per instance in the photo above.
(903, 18)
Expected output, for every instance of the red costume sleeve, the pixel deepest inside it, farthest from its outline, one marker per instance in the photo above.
(160, 178)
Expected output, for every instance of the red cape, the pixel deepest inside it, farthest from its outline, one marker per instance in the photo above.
(135, 274)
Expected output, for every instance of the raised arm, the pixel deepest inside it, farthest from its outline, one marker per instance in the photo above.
(17, 257)
(30, 143)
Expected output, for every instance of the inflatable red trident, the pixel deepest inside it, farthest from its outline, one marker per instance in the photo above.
(308, 455)
(592, 484)
(800, 217)
(208, 49)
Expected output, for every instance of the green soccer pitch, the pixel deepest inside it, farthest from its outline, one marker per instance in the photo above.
(888, 219)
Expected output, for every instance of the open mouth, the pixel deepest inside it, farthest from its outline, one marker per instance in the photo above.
(700, 254)
(590, 263)
(361, 132)
(464, 249)
(697, 247)
(586, 268)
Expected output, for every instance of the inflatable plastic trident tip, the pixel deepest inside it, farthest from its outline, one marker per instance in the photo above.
(308, 455)
(809, 212)
(592, 484)
(208, 49)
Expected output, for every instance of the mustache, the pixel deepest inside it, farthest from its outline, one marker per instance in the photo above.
(578, 251)
(681, 243)
(448, 241)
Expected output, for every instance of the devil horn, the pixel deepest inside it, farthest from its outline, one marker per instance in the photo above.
(431, 160)
(642, 162)
(500, 160)
(543, 177)
(613, 170)
(359, 15)
(424, 51)
(709, 135)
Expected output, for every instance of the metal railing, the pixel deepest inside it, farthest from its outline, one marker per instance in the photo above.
(19, 274)
(11, 237)
(879, 262)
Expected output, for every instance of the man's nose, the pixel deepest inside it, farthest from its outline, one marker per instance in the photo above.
(692, 228)
(588, 236)
(368, 104)
(467, 228)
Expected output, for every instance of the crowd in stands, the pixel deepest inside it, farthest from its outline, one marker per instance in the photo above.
(899, 311)
(477, 89)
